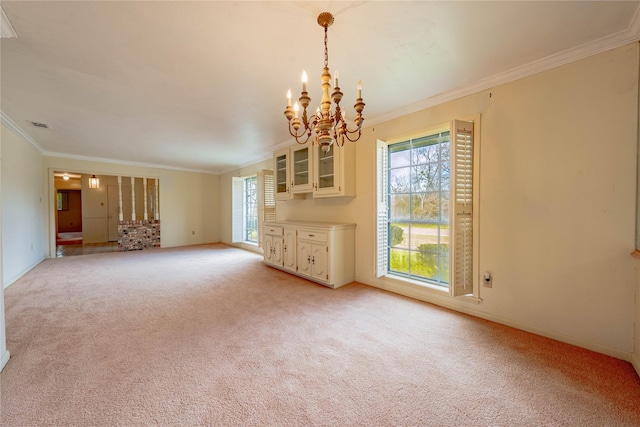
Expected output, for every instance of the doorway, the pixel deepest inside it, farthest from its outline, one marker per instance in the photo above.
(68, 217)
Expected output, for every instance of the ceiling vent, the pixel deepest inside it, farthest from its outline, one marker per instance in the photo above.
(40, 125)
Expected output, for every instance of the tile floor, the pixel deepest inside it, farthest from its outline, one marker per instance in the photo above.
(86, 249)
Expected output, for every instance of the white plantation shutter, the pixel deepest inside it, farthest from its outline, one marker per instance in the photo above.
(266, 201)
(237, 217)
(462, 195)
(381, 200)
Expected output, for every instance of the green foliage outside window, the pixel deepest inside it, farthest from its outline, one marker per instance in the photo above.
(396, 235)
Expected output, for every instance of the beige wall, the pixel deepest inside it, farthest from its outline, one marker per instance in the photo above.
(4, 353)
(23, 207)
(557, 201)
(189, 210)
(635, 359)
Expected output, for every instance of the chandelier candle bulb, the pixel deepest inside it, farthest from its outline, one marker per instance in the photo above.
(295, 110)
(289, 98)
(359, 88)
(335, 81)
(304, 81)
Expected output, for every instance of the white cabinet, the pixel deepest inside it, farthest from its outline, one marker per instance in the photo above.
(334, 171)
(322, 252)
(301, 161)
(289, 249)
(306, 169)
(312, 255)
(281, 168)
(273, 246)
(293, 172)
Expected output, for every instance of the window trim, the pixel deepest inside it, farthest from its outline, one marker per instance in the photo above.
(391, 280)
(245, 208)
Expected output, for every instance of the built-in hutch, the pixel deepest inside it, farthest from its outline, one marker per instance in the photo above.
(318, 251)
(303, 170)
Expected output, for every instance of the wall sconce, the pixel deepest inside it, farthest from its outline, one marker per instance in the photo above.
(94, 182)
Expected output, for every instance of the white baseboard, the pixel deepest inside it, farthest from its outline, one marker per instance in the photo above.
(635, 361)
(22, 273)
(4, 359)
(443, 300)
(247, 246)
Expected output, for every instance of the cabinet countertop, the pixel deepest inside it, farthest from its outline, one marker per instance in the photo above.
(316, 224)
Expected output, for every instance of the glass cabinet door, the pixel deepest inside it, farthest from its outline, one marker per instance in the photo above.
(282, 175)
(326, 170)
(301, 164)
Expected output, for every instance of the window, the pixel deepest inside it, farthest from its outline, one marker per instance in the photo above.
(425, 208)
(253, 203)
(418, 208)
(250, 209)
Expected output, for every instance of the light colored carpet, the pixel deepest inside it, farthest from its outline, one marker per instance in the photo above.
(208, 335)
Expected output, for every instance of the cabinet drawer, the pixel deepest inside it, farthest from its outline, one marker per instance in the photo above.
(312, 235)
(273, 231)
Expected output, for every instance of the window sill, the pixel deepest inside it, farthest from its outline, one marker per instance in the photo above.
(253, 247)
(417, 283)
(419, 290)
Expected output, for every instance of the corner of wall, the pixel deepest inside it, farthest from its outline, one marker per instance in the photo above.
(4, 359)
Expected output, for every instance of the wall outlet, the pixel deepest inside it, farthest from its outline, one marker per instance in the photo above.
(487, 279)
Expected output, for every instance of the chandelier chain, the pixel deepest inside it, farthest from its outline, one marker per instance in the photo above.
(326, 50)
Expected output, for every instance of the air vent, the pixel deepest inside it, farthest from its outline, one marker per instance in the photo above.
(40, 125)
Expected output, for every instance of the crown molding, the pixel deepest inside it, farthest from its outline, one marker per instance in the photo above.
(6, 29)
(18, 130)
(634, 26)
(621, 38)
(259, 159)
(125, 162)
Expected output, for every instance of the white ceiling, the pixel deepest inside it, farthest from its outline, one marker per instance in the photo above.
(202, 85)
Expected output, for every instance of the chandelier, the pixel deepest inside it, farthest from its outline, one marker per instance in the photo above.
(329, 126)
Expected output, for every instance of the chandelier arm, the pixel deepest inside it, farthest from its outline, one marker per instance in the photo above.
(298, 136)
(346, 135)
(348, 131)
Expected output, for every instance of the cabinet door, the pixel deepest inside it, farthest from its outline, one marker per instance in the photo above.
(281, 167)
(319, 266)
(289, 249)
(277, 251)
(301, 161)
(273, 250)
(268, 249)
(327, 172)
(304, 258)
